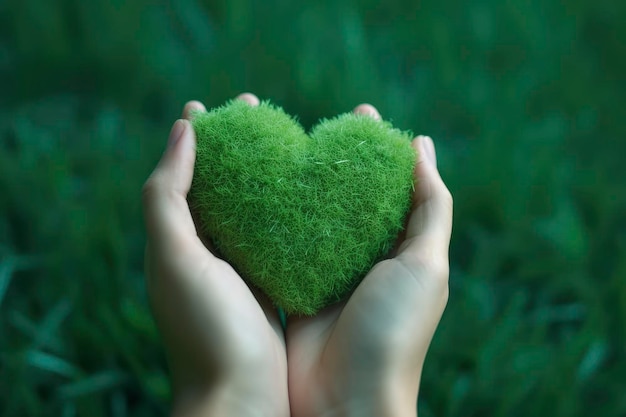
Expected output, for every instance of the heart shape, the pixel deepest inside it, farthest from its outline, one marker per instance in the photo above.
(302, 217)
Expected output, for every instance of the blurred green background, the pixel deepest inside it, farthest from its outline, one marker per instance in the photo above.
(525, 101)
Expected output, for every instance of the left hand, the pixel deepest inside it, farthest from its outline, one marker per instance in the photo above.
(225, 344)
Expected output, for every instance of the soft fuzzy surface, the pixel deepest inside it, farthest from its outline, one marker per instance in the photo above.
(303, 217)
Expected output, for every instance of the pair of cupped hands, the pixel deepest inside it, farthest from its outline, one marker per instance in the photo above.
(230, 356)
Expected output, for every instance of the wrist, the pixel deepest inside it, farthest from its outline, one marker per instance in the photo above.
(256, 391)
(365, 408)
(224, 400)
(252, 384)
(372, 397)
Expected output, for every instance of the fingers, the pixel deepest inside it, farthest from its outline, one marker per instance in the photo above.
(249, 98)
(430, 223)
(367, 110)
(192, 107)
(166, 212)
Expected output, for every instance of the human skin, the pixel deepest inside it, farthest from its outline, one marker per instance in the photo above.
(229, 355)
(225, 346)
(364, 357)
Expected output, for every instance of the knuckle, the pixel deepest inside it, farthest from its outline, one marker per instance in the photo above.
(437, 267)
(445, 295)
(440, 271)
(428, 264)
(440, 282)
(446, 197)
(150, 189)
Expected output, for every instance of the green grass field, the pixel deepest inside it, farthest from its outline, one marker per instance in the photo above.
(526, 103)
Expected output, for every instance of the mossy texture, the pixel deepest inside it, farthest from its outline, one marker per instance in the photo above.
(303, 217)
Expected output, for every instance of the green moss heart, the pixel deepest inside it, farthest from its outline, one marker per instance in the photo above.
(303, 217)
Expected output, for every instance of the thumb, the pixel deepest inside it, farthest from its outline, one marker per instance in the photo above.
(178, 160)
(430, 223)
(166, 211)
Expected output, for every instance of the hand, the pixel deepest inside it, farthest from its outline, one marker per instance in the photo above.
(225, 345)
(364, 357)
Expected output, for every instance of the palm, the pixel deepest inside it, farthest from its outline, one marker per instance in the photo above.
(225, 343)
(217, 306)
(215, 329)
(364, 357)
(220, 337)
(380, 334)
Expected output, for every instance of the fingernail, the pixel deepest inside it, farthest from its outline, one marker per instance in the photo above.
(249, 98)
(367, 110)
(429, 149)
(175, 134)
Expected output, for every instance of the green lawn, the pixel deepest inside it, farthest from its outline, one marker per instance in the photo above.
(526, 103)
